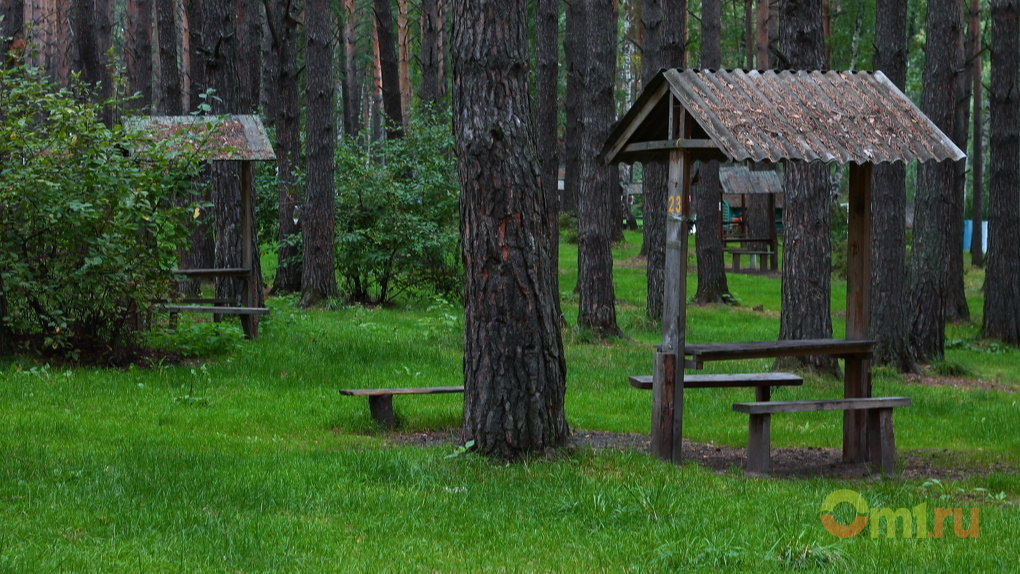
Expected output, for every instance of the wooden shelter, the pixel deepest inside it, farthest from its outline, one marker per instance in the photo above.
(852, 118)
(739, 183)
(233, 138)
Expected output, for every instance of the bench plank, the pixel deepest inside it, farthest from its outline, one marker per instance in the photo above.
(215, 310)
(773, 349)
(760, 408)
(401, 391)
(726, 380)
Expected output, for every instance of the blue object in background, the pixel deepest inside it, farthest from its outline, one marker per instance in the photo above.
(968, 233)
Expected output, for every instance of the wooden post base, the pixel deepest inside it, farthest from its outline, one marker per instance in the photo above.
(381, 407)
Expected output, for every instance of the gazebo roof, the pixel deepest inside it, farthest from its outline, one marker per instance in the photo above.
(235, 138)
(739, 180)
(858, 117)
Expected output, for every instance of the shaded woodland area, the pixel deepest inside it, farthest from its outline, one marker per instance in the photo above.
(368, 118)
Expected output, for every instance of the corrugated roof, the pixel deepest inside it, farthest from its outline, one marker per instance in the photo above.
(739, 180)
(238, 138)
(845, 117)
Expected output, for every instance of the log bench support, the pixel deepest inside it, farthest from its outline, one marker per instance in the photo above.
(881, 438)
(380, 401)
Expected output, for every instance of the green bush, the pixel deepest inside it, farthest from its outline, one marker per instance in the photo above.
(397, 205)
(87, 218)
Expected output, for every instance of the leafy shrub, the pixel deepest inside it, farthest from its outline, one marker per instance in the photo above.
(397, 207)
(86, 217)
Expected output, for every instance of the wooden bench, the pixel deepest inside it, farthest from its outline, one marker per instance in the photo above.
(764, 259)
(762, 382)
(881, 439)
(380, 401)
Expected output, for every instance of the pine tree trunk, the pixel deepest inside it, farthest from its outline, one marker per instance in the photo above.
(889, 204)
(597, 193)
(712, 285)
(1002, 279)
(404, 60)
(547, 16)
(220, 51)
(138, 51)
(287, 118)
(12, 31)
(514, 368)
(926, 275)
(170, 93)
(318, 278)
(807, 256)
(351, 79)
(92, 25)
(955, 301)
(977, 256)
(432, 27)
(663, 31)
(390, 69)
(572, 129)
(249, 49)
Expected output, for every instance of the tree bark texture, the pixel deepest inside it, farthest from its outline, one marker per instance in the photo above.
(404, 60)
(283, 25)
(221, 51)
(955, 297)
(663, 31)
(92, 29)
(977, 255)
(926, 275)
(249, 49)
(596, 67)
(547, 26)
(433, 25)
(138, 51)
(12, 30)
(889, 204)
(807, 255)
(572, 47)
(1002, 279)
(202, 252)
(390, 69)
(514, 368)
(351, 79)
(318, 277)
(712, 285)
(170, 93)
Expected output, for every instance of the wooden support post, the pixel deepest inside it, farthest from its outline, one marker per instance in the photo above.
(773, 240)
(668, 418)
(250, 285)
(857, 381)
(758, 443)
(763, 393)
(381, 407)
(882, 441)
(663, 394)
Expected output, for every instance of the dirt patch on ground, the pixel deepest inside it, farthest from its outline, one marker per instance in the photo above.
(958, 383)
(786, 462)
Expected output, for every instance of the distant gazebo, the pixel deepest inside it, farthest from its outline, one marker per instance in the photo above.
(240, 138)
(850, 118)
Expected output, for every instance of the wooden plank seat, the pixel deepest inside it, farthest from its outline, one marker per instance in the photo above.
(762, 382)
(840, 348)
(380, 401)
(881, 438)
(216, 310)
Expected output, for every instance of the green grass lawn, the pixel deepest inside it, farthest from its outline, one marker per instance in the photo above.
(252, 462)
